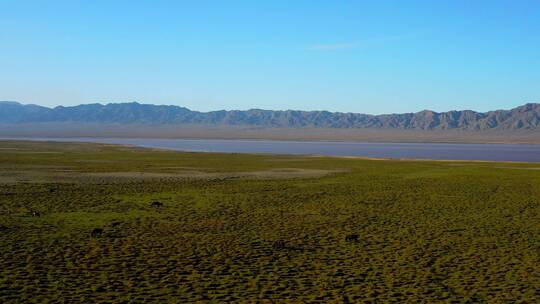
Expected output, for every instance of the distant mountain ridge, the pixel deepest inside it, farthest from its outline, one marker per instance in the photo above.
(522, 117)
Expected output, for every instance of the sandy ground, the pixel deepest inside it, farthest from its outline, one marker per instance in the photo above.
(232, 132)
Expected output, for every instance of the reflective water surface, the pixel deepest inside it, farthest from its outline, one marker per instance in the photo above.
(489, 152)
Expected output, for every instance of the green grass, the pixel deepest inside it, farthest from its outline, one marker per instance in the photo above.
(428, 231)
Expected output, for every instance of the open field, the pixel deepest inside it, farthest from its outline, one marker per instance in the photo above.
(262, 228)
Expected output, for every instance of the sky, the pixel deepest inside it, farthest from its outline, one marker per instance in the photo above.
(349, 56)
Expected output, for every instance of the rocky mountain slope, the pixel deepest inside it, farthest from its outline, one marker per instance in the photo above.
(523, 117)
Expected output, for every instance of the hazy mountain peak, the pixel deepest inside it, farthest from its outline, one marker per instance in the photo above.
(12, 103)
(526, 116)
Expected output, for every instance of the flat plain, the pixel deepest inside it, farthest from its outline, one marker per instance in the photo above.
(262, 228)
(201, 131)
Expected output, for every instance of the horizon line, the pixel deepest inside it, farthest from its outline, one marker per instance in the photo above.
(261, 109)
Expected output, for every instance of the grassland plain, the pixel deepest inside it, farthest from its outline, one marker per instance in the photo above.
(457, 232)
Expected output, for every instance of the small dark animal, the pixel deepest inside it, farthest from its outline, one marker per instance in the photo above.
(34, 213)
(156, 204)
(96, 232)
(279, 245)
(351, 238)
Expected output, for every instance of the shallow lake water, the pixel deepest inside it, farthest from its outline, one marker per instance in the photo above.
(435, 151)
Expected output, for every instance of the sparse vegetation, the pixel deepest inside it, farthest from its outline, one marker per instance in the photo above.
(227, 229)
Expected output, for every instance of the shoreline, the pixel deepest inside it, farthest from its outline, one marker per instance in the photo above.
(289, 140)
(217, 132)
(313, 155)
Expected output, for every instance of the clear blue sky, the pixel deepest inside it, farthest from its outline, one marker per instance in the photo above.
(351, 56)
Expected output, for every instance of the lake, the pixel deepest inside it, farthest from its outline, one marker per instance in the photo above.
(435, 151)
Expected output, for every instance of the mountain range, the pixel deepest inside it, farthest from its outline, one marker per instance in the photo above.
(526, 117)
